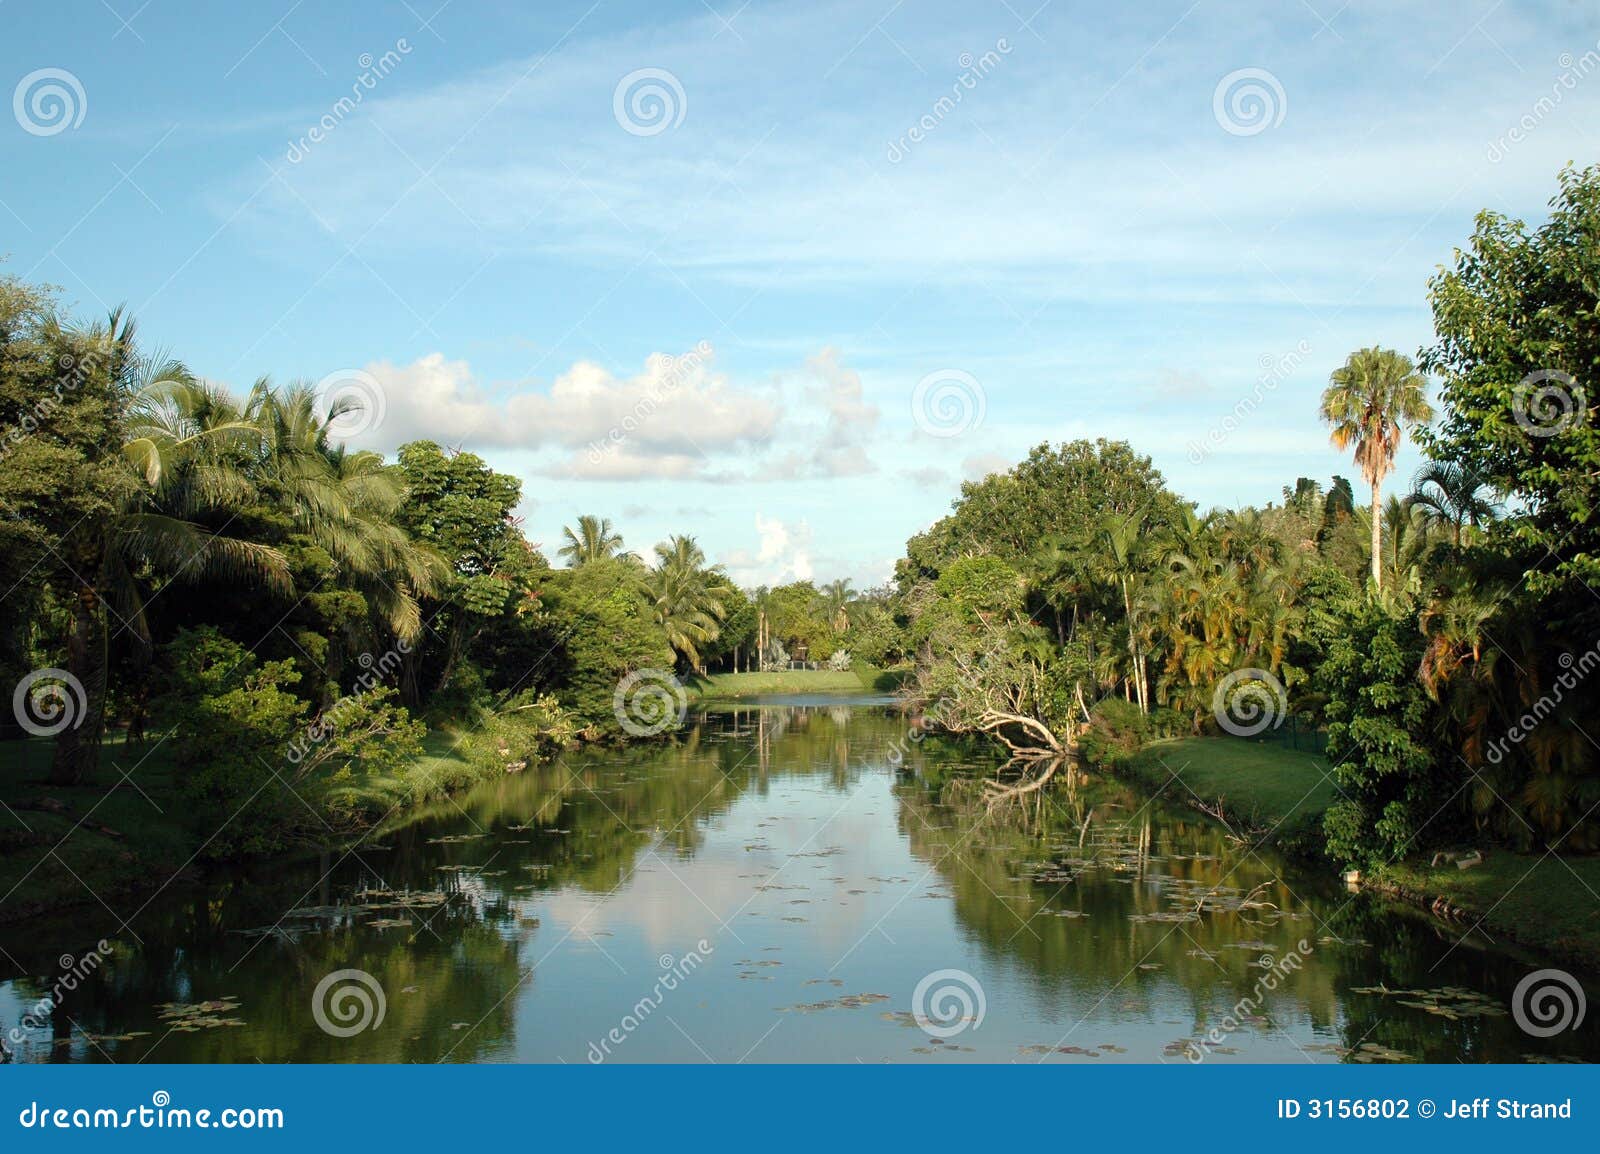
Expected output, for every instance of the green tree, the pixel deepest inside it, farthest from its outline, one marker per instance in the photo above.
(1396, 799)
(461, 509)
(592, 540)
(136, 475)
(689, 597)
(1370, 401)
(1449, 494)
(1518, 357)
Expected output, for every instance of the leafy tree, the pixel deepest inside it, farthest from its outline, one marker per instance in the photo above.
(136, 473)
(461, 509)
(604, 625)
(1379, 722)
(1518, 356)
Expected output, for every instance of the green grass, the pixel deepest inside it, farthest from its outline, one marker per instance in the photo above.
(1545, 902)
(52, 860)
(794, 681)
(1257, 785)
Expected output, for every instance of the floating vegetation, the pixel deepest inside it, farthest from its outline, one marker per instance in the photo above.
(1373, 1052)
(456, 838)
(846, 1002)
(187, 1017)
(1452, 1002)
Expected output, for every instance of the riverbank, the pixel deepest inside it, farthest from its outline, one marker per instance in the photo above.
(1544, 902)
(1258, 790)
(126, 832)
(725, 686)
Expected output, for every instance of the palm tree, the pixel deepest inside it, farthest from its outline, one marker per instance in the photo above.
(1449, 493)
(1405, 540)
(1369, 402)
(171, 475)
(347, 502)
(593, 541)
(836, 599)
(1121, 563)
(689, 597)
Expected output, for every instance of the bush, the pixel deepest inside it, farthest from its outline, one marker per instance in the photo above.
(247, 752)
(1117, 730)
(1379, 722)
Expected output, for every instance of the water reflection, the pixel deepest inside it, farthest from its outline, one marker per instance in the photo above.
(817, 866)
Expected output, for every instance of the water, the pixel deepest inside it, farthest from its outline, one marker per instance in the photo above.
(774, 887)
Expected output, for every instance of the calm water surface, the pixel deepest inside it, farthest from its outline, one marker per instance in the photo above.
(547, 916)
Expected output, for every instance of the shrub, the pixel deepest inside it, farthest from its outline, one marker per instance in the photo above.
(1379, 719)
(1116, 731)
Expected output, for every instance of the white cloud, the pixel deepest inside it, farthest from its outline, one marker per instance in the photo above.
(662, 421)
(980, 465)
(782, 555)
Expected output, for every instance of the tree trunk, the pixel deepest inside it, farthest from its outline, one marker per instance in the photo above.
(77, 752)
(1377, 537)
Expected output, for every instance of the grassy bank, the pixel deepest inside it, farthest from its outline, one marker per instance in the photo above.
(1543, 902)
(63, 846)
(1255, 787)
(729, 685)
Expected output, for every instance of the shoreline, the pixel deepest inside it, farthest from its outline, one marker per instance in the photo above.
(1512, 896)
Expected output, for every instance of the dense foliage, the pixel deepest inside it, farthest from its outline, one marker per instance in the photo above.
(1445, 639)
(220, 572)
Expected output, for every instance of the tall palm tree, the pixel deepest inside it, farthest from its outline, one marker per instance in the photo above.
(175, 480)
(1122, 562)
(593, 540)
(1370, 401)
(1404, 542)
(1450, 494)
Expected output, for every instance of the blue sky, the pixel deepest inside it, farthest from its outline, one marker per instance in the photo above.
(909, 240)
